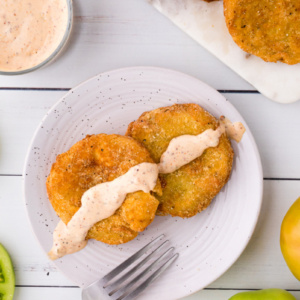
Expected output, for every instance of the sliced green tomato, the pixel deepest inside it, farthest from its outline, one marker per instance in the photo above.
(268, 294)
(7, 276)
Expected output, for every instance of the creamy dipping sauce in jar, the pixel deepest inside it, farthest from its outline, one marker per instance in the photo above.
(30, 31)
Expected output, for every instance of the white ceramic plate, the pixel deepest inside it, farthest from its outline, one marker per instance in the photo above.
(208, 243)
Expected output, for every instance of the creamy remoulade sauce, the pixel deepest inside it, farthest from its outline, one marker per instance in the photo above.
(98, 203)
(102, 200)
(30, 31)
(185, 148)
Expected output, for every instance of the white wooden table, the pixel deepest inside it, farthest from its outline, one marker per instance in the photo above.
(110, 34)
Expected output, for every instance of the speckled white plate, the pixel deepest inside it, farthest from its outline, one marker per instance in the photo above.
(208, 243)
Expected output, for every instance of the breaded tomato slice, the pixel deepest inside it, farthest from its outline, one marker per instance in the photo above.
(192, 187)
(97, 159)
(265, 28)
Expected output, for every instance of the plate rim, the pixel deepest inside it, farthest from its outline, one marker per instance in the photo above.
(177, 73)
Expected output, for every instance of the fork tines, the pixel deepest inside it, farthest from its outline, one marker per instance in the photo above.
(136, 279)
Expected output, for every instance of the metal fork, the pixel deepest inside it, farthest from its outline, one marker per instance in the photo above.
(114, 287)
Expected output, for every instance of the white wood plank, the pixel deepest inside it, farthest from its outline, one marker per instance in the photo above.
(32, 266)
(260, 266)
(20, 114)
(38, 293)
(114, 34)
(275, 128)
(46, 293)
(221, 295)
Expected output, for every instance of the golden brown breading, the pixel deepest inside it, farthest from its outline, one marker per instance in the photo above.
(191, 188)
(97, 159)
(269, 29)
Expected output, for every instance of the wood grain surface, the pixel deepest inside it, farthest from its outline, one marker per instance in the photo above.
(114, 34)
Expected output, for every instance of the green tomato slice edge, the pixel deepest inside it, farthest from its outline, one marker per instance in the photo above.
(7, 275)
(266, 294)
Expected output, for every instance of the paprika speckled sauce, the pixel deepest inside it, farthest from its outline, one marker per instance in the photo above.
(102, 200)
(98, 203)
(30, 31)
(185, 148)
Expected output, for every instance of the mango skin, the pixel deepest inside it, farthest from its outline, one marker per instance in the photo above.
(290, 238)
(268, 294)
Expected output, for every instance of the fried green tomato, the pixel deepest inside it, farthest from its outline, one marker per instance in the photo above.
(269, 29)
(97, 159)
(191, 188)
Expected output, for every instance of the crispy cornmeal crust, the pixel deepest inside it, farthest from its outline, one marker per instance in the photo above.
(265, 28)
(93, 160)
(191, 188)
